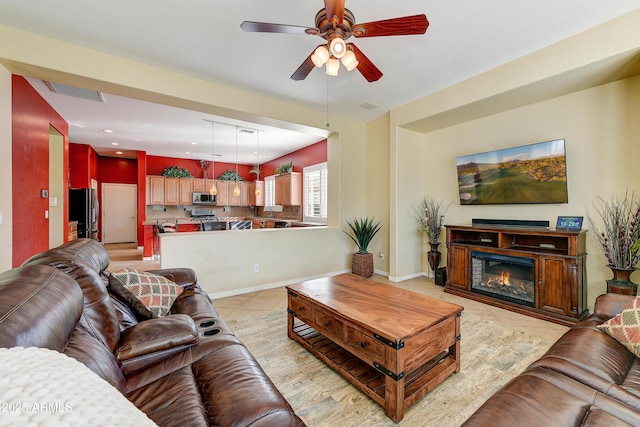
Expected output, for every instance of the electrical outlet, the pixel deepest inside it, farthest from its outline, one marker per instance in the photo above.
(381, 255)
(256, 268)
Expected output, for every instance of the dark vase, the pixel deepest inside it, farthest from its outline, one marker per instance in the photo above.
(621, 282)
(434, 256)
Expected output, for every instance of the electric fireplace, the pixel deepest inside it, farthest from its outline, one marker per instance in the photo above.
(505, 277)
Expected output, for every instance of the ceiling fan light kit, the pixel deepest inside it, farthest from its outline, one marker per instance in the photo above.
(320, 56)
(332, 66)
(336, 24)
(338, 47)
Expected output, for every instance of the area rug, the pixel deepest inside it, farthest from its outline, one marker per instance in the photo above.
(492, 354)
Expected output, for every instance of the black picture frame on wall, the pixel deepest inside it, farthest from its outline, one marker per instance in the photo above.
(527, 174)
(572, 223)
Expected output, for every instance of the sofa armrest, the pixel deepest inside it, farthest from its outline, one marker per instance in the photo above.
(609, 305)
(184, 277)
(153, 340)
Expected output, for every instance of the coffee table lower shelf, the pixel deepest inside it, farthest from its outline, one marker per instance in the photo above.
(367, 378)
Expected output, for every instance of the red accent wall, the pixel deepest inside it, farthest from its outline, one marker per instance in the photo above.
(31, 119)
(156, 164)
(142, 194)
(83, 165)
(310, 155)
(117, 171)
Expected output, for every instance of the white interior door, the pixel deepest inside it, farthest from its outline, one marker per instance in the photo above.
(119, 213)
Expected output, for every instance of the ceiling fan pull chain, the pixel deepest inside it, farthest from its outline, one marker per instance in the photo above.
(327, 124)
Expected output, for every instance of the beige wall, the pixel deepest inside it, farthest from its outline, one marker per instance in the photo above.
(5, 170)
(377, 190)
(602, 156)
(224, 260)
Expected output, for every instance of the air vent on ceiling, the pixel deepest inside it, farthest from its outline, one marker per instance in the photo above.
(245, 130)
(76, 92)
(368, 106)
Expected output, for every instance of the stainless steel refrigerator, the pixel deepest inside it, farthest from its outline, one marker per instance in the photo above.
(83, 207)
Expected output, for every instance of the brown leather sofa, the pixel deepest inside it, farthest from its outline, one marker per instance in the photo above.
(586, 378)
(186, 368)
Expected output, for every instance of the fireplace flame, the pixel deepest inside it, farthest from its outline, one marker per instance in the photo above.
(500, 280)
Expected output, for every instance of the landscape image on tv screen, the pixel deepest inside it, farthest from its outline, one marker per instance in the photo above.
(534, 173)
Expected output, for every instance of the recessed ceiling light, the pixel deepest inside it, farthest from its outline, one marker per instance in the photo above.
(187, 152)
(119, 152)
(114, 143)
(194, 143)
(107, 130)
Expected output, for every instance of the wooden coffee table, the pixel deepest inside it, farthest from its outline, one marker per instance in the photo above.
(392, 344)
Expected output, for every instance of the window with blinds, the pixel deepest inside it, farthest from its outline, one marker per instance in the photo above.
(315, 193)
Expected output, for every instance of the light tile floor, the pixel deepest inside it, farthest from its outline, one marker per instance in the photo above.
(255, 304)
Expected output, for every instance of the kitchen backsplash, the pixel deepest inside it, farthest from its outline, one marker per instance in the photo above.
(179, 212)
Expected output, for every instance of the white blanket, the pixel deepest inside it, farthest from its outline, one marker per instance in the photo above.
(41, 387)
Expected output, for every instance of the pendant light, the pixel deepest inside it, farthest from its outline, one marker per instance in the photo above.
(258, 191)
(213, 190)
(236, 189)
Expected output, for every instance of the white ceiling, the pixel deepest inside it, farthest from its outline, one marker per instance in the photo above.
(204, 39)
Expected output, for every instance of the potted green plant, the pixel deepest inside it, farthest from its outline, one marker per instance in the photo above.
(230, 175)
(284, 168)
(429, 216)
(619, 236)
(362, 231)
(176, 172)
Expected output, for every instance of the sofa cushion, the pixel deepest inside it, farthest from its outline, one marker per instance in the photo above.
(39, 307)
(73, 395)
(155, 293)
(99, 311)
(625, 326)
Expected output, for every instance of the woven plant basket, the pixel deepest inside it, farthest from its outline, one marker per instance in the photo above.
(362, 264)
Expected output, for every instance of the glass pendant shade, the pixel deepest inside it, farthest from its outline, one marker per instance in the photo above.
(332, 66)
(338, 47)
(258, 192)
(236, 190)
(213, 190)
(320, 56)
(349, 60)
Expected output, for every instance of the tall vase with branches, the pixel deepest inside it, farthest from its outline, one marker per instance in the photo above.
(429, 216)
(619, 235)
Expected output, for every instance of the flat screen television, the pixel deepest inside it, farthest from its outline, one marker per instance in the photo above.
(534, 173)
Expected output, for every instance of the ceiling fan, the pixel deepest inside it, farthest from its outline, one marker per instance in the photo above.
(336, 24)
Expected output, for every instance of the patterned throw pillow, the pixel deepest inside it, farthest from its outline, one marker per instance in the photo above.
(150, 295)
(625, 327)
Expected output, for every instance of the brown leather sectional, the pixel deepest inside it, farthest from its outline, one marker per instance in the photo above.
(586, 378)
(187, 368)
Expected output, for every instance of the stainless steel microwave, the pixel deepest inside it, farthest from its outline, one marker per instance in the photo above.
(204, 199)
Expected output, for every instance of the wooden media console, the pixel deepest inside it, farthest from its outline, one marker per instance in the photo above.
(533, 271)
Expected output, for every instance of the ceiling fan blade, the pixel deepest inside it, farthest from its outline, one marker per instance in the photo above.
(305, 68)
(407, 25)
(365, 66)
(266, 27)
(334, 8)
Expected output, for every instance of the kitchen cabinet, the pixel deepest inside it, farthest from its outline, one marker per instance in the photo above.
(155, 190)
(200, 185)
(289, 189)
(242, 199)
(255, 200)
(223, 193)
(186, 191)
(172, 191)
